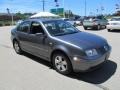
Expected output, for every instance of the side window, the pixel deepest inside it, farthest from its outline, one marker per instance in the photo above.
(24, 27)
(36, 28)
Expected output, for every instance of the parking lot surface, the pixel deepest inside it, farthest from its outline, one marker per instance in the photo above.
(27, 72)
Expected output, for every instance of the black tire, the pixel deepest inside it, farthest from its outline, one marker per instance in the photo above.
(68, 65)
(98, 27)
(109, 30)
(17, 49)
(105, 27)
(85, 28)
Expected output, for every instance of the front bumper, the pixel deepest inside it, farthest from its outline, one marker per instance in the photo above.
(83, 65)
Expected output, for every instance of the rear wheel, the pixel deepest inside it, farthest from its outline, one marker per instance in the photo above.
(105, 27)
(98, 27)
(85, 28)
(61, 63)
(109, 30)
(17, 47)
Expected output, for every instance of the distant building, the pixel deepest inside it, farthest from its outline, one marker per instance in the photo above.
(7, 17)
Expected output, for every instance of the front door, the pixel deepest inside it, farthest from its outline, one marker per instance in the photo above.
(38, 40)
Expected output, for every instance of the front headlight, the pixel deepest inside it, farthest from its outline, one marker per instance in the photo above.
(91, 52)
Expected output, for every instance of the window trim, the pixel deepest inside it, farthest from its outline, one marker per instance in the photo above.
(40, 25)
(28, 22)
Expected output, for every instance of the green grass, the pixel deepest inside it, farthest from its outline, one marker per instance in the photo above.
(6, 23)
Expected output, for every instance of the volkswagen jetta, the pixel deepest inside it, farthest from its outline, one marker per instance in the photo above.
(67, 48)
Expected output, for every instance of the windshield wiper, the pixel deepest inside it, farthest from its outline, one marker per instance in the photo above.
(60, 34)
(72, 32)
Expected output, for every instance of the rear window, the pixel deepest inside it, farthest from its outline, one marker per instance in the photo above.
(89, 19)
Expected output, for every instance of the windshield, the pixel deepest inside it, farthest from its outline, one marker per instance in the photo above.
(115, 19)
(59, 27)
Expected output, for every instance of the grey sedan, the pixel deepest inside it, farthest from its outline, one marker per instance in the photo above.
(94, 23)
(67, 48)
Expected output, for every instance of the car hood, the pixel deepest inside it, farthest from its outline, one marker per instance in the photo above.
(83, 40)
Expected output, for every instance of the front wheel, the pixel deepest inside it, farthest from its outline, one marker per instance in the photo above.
(62, 63)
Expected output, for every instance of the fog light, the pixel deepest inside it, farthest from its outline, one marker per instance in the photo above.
(76, 59)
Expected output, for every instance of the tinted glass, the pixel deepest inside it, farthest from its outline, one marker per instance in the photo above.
(36, 28)
(24, 27)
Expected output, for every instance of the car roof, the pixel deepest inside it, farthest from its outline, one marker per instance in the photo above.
(42, 19)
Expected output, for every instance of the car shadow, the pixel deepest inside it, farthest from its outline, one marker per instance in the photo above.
(115, 31)
(95, 77)
(37, 59)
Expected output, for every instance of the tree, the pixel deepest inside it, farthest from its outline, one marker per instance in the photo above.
(21, 16)
(68, 14)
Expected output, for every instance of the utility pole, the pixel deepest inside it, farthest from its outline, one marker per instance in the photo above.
(57, 5)
(102, 9)
(43, 1)
(8, 11)
(97, 11)
(85, 7)
(63, 8)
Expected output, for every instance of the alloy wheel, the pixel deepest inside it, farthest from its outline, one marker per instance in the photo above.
(60, 63)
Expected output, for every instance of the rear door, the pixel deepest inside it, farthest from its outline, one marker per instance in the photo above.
(22, 34)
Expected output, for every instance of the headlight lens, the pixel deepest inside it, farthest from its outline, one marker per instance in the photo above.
(91, 52)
